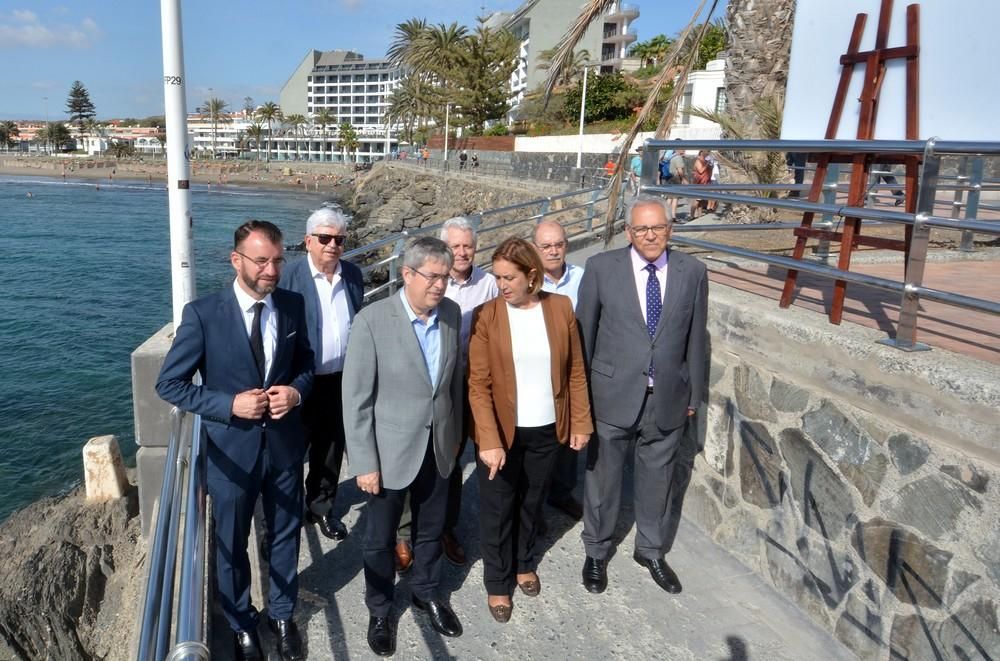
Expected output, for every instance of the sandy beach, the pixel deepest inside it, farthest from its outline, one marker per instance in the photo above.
(323, 178)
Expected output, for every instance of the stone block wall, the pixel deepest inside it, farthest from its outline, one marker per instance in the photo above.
(861, 481)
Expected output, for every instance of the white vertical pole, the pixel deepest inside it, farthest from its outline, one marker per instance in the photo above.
(583, 103)
(447, 116)
(178, 159)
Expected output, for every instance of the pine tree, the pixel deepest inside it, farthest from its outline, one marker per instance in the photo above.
(79, 107)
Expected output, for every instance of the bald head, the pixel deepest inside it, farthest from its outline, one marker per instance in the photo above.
(550, 240)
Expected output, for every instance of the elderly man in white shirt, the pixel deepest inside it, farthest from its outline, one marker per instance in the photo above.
(560, 278)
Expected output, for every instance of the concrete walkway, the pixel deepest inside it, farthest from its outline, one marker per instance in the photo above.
(724, 613)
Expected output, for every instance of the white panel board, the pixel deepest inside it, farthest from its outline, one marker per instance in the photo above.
(959, 70)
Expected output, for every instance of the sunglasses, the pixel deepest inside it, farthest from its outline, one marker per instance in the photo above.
(325, 239)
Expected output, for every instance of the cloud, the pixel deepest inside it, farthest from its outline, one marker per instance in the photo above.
(22, 28)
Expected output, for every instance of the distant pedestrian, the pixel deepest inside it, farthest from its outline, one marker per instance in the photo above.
(610, 167)
(713, 162)
(678, 176)
(635, 170)
(702, 176)
(475, 160)
(796, 162)
(462, 158)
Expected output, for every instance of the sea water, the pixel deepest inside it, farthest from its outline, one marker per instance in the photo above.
(84, 280)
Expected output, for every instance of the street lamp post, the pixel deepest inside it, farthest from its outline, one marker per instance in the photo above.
(447, 117)
(46, 100)
(583, 104)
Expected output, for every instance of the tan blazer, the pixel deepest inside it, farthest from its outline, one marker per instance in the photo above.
(492, 384)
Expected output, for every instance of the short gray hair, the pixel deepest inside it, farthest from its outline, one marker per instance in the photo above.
(459, 223)
(421, 249)
(646, 200)
(327, 217)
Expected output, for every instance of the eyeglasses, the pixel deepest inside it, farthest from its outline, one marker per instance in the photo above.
(545, 247)
(262, 262)
(431, 278)
(643, 230)
(325, 239)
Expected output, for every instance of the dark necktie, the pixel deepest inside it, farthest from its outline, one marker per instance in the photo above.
(654, 305)
(257, 339)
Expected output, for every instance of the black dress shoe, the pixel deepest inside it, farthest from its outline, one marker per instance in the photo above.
(329, 525)
(443, 619)
(595, 575)
(289, 641)
(661, 573)
(381, 636)
(248, 646)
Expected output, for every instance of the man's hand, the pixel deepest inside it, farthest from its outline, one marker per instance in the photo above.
(250, 404)
(494, 459)
(369, 483)
(691, 411)
(578, 441)
(281, 400)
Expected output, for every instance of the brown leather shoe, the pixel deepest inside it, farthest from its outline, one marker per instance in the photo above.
(501, 612)
(404, 557)
(531, 587)
(452, 549)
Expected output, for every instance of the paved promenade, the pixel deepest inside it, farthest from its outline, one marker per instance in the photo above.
(724, 613)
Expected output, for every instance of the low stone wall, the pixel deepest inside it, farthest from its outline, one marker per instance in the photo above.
(860, 480)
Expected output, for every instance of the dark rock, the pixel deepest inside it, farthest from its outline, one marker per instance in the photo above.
(972, 632)
(860, 628)
(724, 493)
(908, 454)
(968, 475)
(760, 466)
(788, 398)
(866, 477)
(837, 435)
(831, 568)
(751, 394)
(912, 639)
(822, 496)
(931, 505)
(912, 568)
(790, 575)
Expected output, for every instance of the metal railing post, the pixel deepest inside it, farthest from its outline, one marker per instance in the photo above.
(650, 167)
(909, 308)
(822, 253)
(972, 202)
(956, 205)
(190, 636)
(594, 195)
(394, 271)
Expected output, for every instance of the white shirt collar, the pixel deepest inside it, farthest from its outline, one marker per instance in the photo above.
(639, 262)
(246, 301)
(316, 272)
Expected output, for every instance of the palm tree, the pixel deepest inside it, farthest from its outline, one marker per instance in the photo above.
(348, 140)
(571, 71)
(8, 131)
(296, 121)
(406, 34)
(270, 112)
(55, 134)
(215, 108)
(323, 119)
(256, 133)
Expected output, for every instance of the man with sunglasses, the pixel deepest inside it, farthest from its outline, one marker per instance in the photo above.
(248, 342)
(334, 292)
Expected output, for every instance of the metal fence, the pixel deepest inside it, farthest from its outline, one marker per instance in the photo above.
(583, 177)
(184, 490)
(911, 289)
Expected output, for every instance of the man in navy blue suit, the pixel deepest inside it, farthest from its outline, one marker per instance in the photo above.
(334, 292)
(250, 344)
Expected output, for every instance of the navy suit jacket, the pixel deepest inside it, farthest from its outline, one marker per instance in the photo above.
(298, 278)
(212, 340)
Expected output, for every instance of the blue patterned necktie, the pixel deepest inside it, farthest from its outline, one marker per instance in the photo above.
(654, 306)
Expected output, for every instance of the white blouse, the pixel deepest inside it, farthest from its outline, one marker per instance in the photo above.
(532, 367)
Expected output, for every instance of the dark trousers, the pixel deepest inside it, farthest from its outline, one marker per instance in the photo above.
(428, 498)
(563, 475)
(233, 504)
(323, 418)
(655, 451)
(510, 505)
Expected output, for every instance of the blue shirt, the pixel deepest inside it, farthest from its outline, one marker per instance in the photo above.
(428, 337)
(568, 285)
(636, 165)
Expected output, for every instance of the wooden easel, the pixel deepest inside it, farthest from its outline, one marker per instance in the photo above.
(874, 62)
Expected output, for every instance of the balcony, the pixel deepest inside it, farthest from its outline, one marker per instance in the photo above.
(623, 37)
(623, 10)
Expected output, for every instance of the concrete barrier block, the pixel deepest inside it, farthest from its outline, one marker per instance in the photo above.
(152, 414)
(149, 469)
(103, 469)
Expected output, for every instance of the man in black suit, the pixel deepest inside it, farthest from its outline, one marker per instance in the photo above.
(334, 292)
(642, 312)
(250, 345)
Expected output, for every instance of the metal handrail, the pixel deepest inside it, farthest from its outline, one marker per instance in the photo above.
(184, 479)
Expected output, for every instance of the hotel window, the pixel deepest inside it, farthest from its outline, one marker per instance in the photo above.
(720, 99)
(686, 104)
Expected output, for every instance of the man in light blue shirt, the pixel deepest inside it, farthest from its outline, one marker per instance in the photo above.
(428, 336)
(560, 278)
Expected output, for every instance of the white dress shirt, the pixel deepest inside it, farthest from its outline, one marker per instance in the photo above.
(642, 276)
(335, 320)
(268, 322)
(479, 288)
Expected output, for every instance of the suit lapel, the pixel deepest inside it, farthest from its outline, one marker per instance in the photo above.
(556, 359)
(504, 339)
(627, 277)
(675, 277)
(409, 338)
(447, 334)
(239, 340)
(281, 330)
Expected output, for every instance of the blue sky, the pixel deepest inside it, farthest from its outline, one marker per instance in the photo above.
(236, 49)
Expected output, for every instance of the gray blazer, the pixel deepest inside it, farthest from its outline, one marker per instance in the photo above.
(618, 347)
(389, 404)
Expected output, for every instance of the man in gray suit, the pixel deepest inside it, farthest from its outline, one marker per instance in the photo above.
(642, 311)
(402, 396)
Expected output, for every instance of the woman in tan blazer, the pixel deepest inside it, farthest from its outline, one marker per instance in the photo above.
(528, 394)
